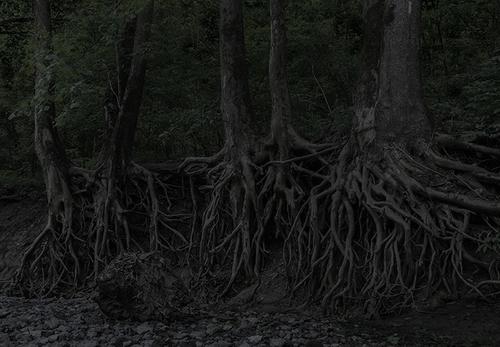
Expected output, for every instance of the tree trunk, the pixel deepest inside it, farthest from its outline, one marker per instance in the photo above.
(229, 219)
(48, 146)
(111, 201)
(131, 89)
(389, 105)
(281, 106)
(381, 233)
(55, 168)
(124, 50)
(235, 94)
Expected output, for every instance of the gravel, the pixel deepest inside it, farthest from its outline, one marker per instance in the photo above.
(79, 322)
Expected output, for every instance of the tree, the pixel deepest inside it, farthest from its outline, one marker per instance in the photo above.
(88, 224)
(49, 149)
(286, 156)
(231, 171)
(386, 235)
(389, 105)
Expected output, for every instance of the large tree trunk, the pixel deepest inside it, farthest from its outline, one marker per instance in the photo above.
(229, 222)
(53, 161)
(48, 146)
(389, 105)
(381, 234)
(235, 94)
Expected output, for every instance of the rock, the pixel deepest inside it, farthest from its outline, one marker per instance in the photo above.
(52, 323)
(180, 336)
(6, 340)
(255, 339)
(276, 342)
(244, 296)
(36, 333)
(120, 341)
(143, 328)
(140, 287)
(197, 334)
(53, 338)
(212, 329)
(252, 320)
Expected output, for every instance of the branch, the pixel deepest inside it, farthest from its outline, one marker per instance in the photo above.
(15, 20)
(452, 143)
(10, 32)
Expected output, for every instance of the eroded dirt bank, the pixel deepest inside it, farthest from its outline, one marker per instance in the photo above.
(22, 216)
(79, 322)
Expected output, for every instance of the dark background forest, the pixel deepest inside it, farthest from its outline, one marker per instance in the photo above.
(180, 111)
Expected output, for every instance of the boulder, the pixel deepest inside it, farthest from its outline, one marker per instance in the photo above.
(141, 287)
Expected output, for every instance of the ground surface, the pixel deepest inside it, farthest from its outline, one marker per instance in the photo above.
(22, 216)
(78, 322)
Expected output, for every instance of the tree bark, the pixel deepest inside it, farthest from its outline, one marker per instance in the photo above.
(389, 105)
(280, 95)
(124, 50)
(235, 94)
(130, 88)
(48, 146)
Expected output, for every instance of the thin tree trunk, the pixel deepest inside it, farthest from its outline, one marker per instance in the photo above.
(48, 146)
(281, 106)
(124, 50)
(235, 94)
(131, 87)
(117, 152)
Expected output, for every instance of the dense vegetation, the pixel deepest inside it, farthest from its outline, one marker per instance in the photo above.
(229, 134)
(181, 108)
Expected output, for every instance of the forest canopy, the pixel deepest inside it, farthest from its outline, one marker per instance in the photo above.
(181, 103)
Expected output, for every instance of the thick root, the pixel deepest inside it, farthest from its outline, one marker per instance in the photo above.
(373, 235)
(103, 218)
(230, 224)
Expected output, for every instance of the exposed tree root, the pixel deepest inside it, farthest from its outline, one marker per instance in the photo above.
(375, 232)
(230, 224)
(286, 178)
(380, 232)
(251, 202)
(99, 218)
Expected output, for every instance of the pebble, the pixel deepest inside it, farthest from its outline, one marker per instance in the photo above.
(79, 322)
(255, 339)
(143, 328)
(276, 342)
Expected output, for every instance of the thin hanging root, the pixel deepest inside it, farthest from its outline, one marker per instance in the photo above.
(231, 219)
(384, 237)
(450, 142)
(74, 247)
(378, 233)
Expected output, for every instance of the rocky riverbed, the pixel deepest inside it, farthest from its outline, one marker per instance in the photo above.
(78, 322)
